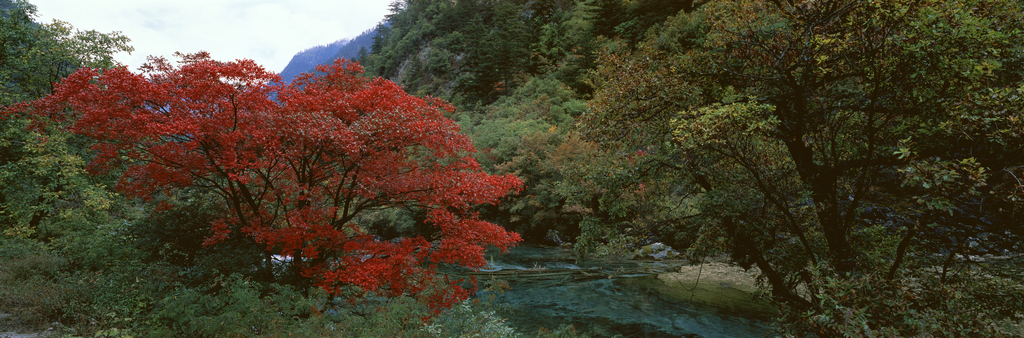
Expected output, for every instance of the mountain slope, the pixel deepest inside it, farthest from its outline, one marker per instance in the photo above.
(306, 60)
(351, 50)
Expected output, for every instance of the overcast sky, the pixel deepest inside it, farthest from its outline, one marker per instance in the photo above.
(267, 31)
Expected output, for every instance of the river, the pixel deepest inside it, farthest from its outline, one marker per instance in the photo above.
(603, 299)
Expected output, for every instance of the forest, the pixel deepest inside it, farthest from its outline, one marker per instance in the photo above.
(865, 157)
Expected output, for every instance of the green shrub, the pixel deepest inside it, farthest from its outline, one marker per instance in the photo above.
(27, 288)
(563, 331)
(382, 317)
(469, 319)
(176, 236)
(82, 288)
(967, 304)
(237, 307)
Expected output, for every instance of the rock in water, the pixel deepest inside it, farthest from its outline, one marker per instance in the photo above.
(658, 251)
(554, 238)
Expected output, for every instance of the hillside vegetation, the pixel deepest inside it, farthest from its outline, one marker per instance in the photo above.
(305, 61)
(867, 157)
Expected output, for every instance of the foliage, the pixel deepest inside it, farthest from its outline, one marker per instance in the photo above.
(240, 307)
(623, 201)
(871, 306)
(33, 56)
(83, 261)
(524, 134)
(294, 171)
(64, 252)
(45, 290)
(83, 288)
(843, 147)
(236, 307)
(175, 230)
(44, 189)
(476, 52)
(634, 20)
(564, 47)
(865, 155)
(627, 186)
(42, 181)
(564, 331)
(467, 320)
(444, 48)
(480, 53)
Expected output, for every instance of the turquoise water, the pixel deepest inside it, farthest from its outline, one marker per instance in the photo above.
(548, 294)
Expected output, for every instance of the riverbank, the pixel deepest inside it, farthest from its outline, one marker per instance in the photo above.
(728, 288)
(547, 288)
(9, 328)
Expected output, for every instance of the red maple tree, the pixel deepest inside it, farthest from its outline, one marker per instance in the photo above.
(295, 163)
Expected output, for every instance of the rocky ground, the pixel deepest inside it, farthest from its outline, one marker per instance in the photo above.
(715, 273)
(6, 327)
(715, 283)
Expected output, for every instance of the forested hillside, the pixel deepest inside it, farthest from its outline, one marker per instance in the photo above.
(306, 60)
(866, 157)
(203, 198)
(518, 72)
(478, 51)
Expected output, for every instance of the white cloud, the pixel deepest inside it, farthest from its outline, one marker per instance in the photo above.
(267, 31)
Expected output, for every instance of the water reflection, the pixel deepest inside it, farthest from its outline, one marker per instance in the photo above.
(548, 289)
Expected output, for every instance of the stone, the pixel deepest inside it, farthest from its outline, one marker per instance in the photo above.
(658, 251)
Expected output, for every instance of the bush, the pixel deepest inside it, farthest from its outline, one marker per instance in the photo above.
(469, 319)
(564, 331)
(968, 304)
(382, 317)
(234, 306)
(27, 287)
(176, 236)
(75, 287)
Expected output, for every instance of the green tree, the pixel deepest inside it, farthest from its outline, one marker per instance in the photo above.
(525, 134)
(499, 54)
(33, 55)
(42, 169)
(842, 147)
(566, 46)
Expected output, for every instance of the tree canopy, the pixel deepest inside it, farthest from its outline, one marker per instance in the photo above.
(842, 147)
(294, 164)
(41, 171)
(865, 156)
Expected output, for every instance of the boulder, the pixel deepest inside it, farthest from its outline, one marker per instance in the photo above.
(657, 250)
(554, 238)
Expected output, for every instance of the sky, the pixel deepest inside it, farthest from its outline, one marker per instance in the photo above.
(269, 32)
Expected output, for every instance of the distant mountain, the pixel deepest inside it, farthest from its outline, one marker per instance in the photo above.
(306, 60)
(351, 50)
